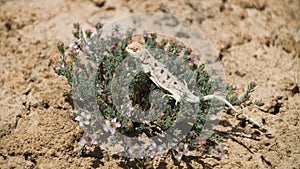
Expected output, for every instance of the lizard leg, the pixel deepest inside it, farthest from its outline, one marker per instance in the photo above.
(177, 101)
(168, 95)
(154, 81)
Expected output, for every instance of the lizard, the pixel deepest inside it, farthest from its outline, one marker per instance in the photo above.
(164, 79)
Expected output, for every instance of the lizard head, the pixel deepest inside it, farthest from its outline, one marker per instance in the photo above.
(134, 48)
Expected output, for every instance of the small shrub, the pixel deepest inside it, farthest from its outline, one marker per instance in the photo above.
(104, 122)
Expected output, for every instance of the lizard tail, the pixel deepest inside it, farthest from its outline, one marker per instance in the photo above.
(209, 97)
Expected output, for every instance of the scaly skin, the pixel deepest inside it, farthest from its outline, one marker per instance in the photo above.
(162, 77)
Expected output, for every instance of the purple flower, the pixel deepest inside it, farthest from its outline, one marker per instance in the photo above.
(220, 150)
(114, 35)
(155, 150)
(88, 140)
(201, 140)
(136, 151)
(83, 118)
(75, 45)
(111, 125)
(128, 109)
(182, 149)
(145, 34)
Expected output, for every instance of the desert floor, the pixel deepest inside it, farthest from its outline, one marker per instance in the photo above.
(257, 39)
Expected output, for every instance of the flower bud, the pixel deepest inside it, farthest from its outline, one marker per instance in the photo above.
(88, 33)
(76, 25)
(99, 25)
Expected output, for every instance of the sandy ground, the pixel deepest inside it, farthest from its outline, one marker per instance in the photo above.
(258, 39)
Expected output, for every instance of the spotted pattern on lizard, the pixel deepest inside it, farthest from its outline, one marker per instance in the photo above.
(163, 78)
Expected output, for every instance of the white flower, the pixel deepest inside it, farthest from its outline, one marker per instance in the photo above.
(84, 119)
(111, 125)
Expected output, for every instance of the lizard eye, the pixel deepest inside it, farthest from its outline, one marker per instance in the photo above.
(134, 49)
